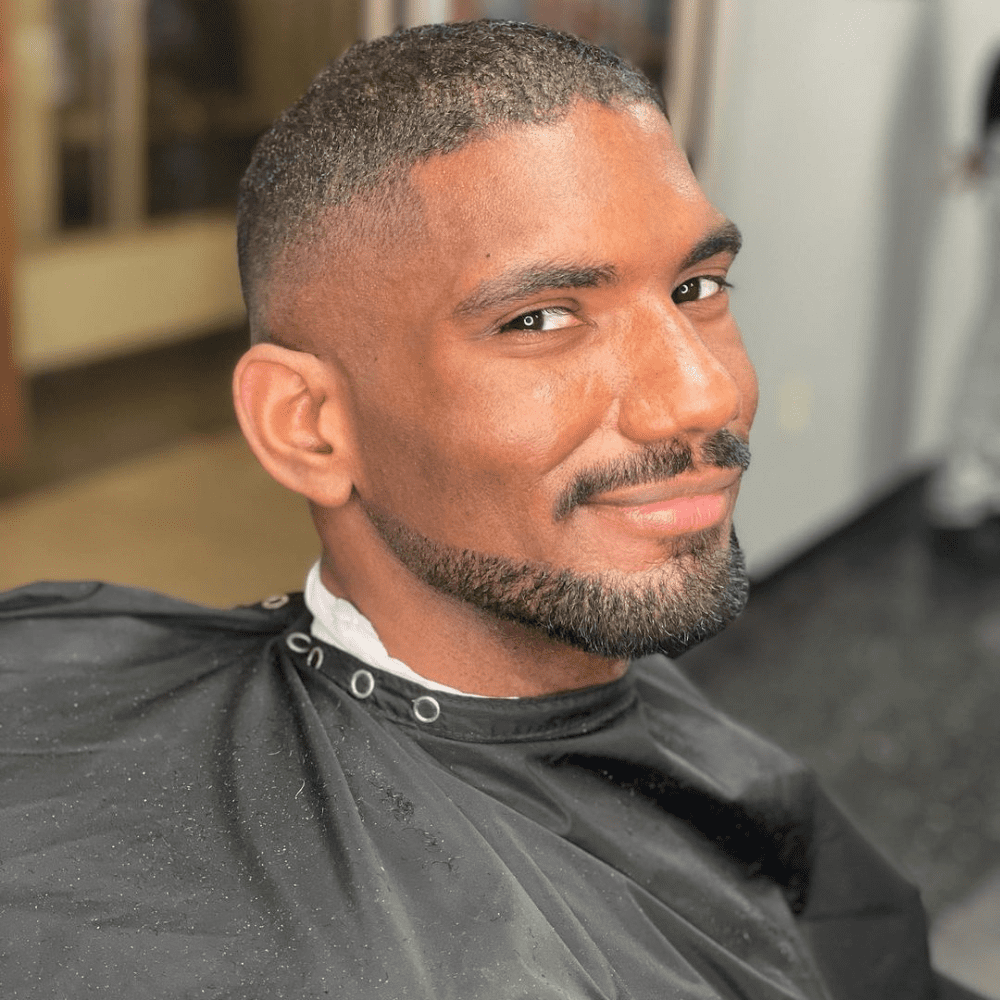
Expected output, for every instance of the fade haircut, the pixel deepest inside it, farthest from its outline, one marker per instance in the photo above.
(384, 106)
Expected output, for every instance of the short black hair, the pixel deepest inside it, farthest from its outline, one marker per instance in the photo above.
(386, 105)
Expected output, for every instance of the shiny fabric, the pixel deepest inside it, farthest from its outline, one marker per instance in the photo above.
(196, 804)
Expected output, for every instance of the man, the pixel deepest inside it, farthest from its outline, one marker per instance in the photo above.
(493, 349)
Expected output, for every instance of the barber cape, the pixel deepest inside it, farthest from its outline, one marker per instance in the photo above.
(203, 803)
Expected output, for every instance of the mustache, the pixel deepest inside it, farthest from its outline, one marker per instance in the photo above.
(653, 464)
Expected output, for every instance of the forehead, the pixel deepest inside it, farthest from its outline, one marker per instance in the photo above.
(591, 131)
(595, 157)
(601, 183)
(603, 187)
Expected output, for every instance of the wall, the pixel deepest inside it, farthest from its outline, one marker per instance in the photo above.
(828, 147)
(959, 267)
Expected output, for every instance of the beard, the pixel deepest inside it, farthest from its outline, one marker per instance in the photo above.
(699, 589)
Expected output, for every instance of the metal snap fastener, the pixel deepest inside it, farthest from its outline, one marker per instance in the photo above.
(362, 683)
(274, 602)
(426, 708)
(298, 642)
(315, 657)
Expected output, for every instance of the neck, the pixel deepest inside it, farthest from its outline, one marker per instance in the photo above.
(454, 643)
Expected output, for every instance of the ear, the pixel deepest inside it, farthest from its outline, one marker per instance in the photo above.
(291, 408)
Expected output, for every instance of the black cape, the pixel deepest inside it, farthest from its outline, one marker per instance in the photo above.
(200, 803)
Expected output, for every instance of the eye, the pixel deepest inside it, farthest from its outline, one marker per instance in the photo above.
(540, 321)
(702, 287)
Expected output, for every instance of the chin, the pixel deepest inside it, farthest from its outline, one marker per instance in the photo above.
(701, 587)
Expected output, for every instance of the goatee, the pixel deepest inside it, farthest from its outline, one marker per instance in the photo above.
(700, 588)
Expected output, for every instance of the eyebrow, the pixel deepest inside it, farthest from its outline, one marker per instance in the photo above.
(516, 285)
(494, 293)
(726, 238)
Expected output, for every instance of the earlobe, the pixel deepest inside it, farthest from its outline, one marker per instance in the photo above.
(290, 406)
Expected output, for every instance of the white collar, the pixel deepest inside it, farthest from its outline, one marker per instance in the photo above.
(339, 623)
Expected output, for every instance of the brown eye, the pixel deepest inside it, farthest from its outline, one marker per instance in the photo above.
(698, 288)
(552, 318)
(529, 321)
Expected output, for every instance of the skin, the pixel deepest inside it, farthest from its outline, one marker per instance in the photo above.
(422, 390)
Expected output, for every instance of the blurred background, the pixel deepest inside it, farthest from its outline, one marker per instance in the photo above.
(841, 135)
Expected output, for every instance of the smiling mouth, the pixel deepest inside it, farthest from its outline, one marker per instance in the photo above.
(661, 473)
(670, 508)
(677, 516)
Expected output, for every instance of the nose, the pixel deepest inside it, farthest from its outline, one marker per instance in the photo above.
(684, 380)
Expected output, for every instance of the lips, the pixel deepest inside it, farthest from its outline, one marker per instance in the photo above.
(674, 507)
(681, 515)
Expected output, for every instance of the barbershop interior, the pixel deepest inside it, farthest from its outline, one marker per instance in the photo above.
(856, 143)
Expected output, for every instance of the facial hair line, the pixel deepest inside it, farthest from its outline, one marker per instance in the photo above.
(654, 464)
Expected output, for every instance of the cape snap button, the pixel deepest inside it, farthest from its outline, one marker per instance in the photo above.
(426, 708)
(362, 683)
(298, 642)
(274, 602)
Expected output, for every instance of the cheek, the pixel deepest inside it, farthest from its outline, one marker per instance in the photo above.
(543, 394)
(525, 418)
(491, 441)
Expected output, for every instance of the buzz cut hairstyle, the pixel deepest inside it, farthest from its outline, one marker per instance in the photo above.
(387, 105)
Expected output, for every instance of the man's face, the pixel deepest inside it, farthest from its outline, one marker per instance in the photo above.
(548, 387)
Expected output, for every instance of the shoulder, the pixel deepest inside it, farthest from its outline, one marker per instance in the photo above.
(86, 663)
(93, 600)
(85, 627)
